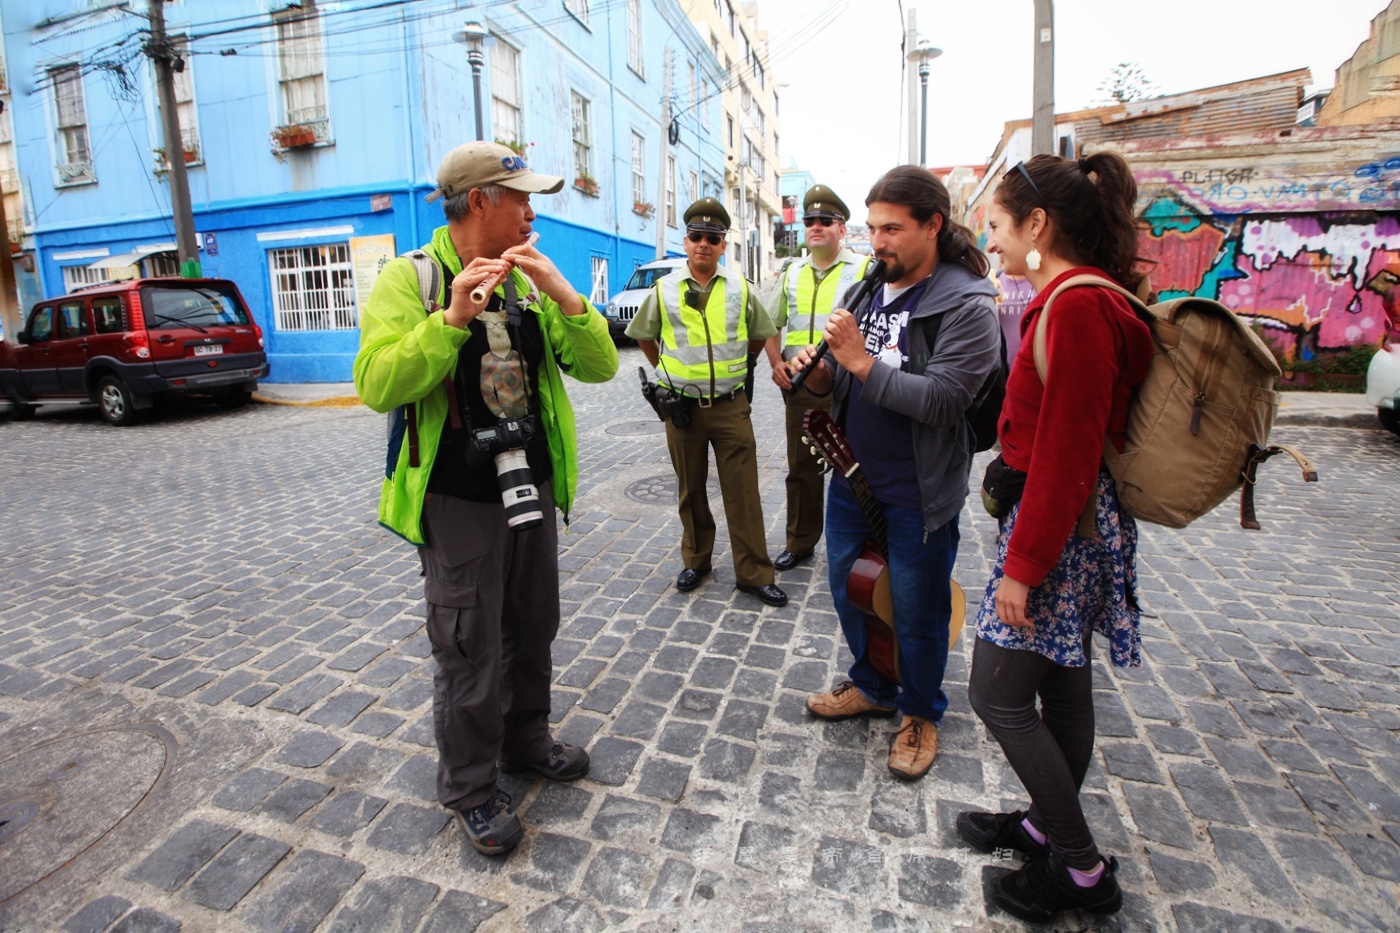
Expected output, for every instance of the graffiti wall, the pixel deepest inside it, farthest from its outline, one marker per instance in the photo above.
(1314, 278)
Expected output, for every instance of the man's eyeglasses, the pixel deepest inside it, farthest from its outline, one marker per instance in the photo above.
(712, 238)
(824, 221)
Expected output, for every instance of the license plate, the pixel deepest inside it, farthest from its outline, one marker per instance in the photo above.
(209, 350)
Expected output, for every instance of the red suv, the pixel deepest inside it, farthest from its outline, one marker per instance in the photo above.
(127, 344)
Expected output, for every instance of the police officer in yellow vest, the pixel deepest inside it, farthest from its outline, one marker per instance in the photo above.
(810, 288)
(701, 327)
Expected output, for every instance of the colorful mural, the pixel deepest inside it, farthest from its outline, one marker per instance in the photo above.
(1314, 279)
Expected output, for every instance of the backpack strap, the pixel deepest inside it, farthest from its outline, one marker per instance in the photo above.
(1258, 455)
(429, 287)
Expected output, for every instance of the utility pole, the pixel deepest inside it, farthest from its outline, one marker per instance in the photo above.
(163, 56)
(1043, 98)
(911, 42)
(662, 169)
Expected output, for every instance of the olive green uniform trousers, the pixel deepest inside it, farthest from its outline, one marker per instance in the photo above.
(806, 484)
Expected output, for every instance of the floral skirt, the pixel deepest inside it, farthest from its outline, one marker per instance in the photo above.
(1091, 589)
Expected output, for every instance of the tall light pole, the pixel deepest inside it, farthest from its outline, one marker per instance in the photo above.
(924, 54)
(163, 57)
(1043, 97)
(474, 35)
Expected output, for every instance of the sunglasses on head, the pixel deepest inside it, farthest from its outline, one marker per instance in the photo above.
(712, 238)
(824, 221)
(1021, 167)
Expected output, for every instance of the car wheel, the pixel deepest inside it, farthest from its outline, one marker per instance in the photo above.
(234, 398)
(115, 402)
(1390, 419)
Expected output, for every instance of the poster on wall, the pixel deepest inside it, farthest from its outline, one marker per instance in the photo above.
(369, 254)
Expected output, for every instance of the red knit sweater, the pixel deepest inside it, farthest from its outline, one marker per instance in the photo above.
(1097, 352)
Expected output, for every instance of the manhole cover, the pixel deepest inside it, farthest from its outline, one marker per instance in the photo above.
(60, 798)
(635, 428)
(662, 489)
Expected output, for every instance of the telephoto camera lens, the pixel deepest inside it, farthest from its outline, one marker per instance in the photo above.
(518, 492)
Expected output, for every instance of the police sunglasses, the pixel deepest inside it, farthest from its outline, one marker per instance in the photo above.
(712, 238)
(824, 221)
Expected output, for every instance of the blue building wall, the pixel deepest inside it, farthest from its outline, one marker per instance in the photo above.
(399, 96)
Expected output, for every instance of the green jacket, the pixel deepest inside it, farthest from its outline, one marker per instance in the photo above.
(405, 354)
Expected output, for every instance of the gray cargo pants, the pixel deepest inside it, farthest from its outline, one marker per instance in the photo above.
(493, 612)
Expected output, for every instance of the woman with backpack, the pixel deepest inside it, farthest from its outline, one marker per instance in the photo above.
(1065, 553)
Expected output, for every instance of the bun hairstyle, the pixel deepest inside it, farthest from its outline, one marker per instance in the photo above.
(1091, 201)
(917, 189)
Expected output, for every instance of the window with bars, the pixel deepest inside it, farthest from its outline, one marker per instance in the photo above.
(77, 276)
(505, 92)
(70, 112)
(634, 36)
(599, 295)
(302, 69)
(639, 178)
(313, 287)
(671, 190)
(579, 8)
(184, 101)
(583, 136)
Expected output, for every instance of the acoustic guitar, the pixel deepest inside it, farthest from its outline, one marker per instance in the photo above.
(868, 583)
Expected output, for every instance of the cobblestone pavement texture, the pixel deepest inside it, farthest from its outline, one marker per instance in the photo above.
(215, 706)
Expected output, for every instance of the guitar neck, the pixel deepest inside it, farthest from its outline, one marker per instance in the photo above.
(874, 515)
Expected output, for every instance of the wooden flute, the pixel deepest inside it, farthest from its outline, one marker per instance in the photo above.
(480, 293)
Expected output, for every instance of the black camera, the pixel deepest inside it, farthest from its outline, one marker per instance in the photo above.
(505, 443)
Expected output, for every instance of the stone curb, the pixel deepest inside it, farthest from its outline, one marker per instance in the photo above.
(339, 401)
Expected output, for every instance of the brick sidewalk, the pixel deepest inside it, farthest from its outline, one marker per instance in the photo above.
(215, 699)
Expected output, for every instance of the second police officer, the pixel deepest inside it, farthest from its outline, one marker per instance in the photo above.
(701, 327)
(806, 293)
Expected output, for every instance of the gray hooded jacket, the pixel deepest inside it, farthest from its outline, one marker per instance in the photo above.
(937, 391)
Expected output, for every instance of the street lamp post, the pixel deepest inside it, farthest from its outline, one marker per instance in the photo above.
(474, 35)
(924, 54)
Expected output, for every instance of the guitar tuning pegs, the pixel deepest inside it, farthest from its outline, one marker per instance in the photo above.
(807, 440)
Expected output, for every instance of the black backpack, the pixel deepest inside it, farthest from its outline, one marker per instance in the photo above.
(985, 410)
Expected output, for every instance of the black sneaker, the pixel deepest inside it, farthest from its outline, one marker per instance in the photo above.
(1044, 888)
(493, 827)
(563, 763)
(998, 832)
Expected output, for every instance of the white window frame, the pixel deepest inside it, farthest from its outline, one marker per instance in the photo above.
(75, 277)
(313, 288)
(301, 70)
(72, 144)
(579, 8)
(694, 191)
(635, 51)
(184, 100)
(599, 295)
(581, 116)
(671, 191)
(507, 113)
(639, 168)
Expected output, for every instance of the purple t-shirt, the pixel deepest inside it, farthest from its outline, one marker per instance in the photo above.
(883, 440)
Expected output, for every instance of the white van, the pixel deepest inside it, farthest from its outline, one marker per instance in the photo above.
(623, 306)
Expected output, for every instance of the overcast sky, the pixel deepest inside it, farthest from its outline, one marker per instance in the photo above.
(841, 115)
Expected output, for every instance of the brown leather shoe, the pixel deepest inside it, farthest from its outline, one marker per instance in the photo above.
(843, 702)
(913, 748)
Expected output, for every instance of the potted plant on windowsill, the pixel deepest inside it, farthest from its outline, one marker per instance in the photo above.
(587, 184)
(644, 208)
(294, 136)
(514, 145)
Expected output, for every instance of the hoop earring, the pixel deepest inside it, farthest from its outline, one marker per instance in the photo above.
(1033, 257)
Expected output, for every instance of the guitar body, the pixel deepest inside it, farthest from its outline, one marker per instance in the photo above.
(868, 589)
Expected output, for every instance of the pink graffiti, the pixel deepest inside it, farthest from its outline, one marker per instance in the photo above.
(1183, 259)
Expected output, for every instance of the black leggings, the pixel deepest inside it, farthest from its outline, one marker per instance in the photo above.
(1049, 749)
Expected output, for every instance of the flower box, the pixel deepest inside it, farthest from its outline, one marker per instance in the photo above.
(644, 208)
(587, 184)
(294, 136)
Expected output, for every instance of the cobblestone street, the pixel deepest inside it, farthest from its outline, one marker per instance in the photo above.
(215, 705)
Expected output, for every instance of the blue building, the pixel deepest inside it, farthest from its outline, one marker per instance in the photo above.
(311, 134)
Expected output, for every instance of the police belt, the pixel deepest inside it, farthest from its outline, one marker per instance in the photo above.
(704, 401)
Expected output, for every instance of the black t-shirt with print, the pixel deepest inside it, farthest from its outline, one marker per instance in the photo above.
(458, 469)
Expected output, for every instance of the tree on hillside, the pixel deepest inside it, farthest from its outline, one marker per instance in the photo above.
(1126, 82)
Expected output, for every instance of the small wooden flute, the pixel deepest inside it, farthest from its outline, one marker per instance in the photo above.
(480, 293)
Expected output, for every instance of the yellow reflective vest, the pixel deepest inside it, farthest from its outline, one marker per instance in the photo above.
(809, 304)
(704, 353)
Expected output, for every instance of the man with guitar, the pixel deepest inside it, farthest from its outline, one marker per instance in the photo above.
(809, 289)
(907, 367)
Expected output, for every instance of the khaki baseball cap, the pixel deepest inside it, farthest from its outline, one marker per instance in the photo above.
(478, 164)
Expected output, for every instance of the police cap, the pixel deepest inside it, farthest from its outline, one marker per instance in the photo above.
(707, 216)
(821, 201)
